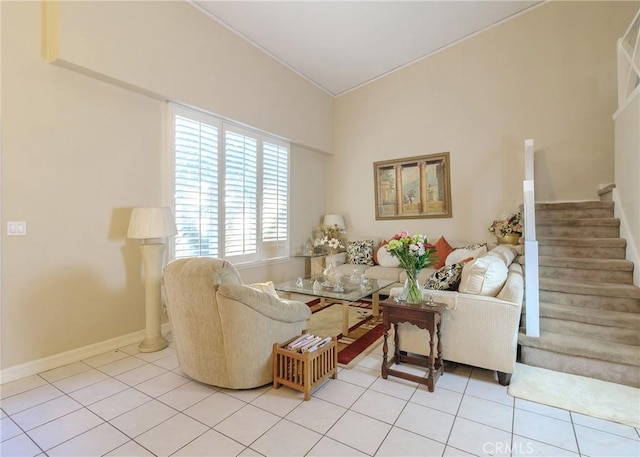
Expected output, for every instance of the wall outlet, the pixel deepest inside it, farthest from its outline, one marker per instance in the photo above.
(17, 228)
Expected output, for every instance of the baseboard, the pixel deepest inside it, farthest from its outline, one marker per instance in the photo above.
(75, 355)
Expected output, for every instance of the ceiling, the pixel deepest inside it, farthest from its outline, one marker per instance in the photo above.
(341, 45)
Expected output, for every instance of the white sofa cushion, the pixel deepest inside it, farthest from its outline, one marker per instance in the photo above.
(460, 254)
(483, 276)
(505, 253)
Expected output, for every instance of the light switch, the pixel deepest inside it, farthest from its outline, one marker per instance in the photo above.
(17, 228)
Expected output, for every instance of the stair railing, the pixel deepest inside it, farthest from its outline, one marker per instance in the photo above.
(532, 300)
(629, 64)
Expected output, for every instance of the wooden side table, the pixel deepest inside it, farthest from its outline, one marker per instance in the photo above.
(315, 266)
(425, 316)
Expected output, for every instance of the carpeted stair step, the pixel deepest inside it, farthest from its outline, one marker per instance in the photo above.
(598, 302)
(584, 347)
(578, 228)
(600, 270)
(611, 362)
(593, 248)
(591, 331)
(605, 296)
(617, 319)
(590, 288)
(574, 210)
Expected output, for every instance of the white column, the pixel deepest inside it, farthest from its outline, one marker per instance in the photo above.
(532, 299)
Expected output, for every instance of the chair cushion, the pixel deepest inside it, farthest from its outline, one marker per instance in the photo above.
(267, 287)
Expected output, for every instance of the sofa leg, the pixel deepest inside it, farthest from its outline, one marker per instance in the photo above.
(504, 378)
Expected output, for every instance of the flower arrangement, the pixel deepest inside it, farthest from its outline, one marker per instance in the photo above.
(510, 224)
(414, 253)
(333, 244)
(329, 237)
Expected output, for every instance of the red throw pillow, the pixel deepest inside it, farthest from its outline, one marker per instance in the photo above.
(443, 249)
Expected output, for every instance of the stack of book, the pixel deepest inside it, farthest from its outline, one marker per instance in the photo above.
(308, 343)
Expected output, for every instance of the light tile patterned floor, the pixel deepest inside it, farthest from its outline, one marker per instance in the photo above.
(126, 403)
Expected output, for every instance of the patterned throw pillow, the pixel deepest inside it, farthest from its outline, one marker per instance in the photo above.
(446, 278)
(360, 252)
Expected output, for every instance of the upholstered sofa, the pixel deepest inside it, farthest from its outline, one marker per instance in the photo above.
(223, 330)
(480, 326)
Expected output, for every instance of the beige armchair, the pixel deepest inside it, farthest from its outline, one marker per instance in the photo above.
(224, 331)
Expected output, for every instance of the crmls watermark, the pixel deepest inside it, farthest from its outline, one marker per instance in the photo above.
(499, 448)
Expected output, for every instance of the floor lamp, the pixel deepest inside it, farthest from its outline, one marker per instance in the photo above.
(151, 226)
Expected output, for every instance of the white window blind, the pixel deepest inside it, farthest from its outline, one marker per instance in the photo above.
(240, 195)
(275, 198)
(231, 189)
(196, 187)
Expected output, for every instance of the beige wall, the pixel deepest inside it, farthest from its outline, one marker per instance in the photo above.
(78, 153)
(549, 74)
(171, 49)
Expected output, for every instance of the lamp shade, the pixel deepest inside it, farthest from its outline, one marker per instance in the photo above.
(151, 223)
(334, 219)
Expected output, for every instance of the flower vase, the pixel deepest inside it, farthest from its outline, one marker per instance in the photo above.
(412, 290)
(331, 273)
(511, 239)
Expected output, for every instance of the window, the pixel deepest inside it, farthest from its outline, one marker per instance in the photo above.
(231, 189)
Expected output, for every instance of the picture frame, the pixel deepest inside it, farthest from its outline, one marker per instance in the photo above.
(413, 187)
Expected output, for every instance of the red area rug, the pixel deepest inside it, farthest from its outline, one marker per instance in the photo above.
(365, 332)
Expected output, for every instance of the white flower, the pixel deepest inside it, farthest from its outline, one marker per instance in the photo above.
(334, 243)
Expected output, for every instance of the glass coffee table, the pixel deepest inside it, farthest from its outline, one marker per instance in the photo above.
(316, 287)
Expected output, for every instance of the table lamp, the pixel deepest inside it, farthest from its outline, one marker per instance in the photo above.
(334, 219)
(151, 225)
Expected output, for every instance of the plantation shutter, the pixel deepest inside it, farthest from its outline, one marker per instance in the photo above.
(196, 185)
(241, 195)
(230, 189)
(275, 198)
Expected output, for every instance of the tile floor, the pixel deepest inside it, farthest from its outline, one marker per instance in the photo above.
(126, 403)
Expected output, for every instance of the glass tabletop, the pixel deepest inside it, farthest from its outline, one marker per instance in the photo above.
(346, 291)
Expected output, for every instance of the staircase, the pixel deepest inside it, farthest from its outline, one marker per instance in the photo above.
(589, 307)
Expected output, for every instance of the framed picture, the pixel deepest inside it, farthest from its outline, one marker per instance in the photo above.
(413, 187)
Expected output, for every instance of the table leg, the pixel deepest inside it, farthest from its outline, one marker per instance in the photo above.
(375, 306)
(396, 343)
(432, 361)
(345, 318)
(385, 348)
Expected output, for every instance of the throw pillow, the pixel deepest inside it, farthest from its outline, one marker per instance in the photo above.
(375, 252)
(474, 250)
(266, 287)
(385, 259)
(483, 276)
(443, 249)
(446, 278)
(360, 252)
